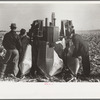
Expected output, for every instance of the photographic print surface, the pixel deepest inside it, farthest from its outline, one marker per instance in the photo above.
(49, 50)
(50, 42)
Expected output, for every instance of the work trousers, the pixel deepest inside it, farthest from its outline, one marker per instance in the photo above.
(12, 57)
(86, 65)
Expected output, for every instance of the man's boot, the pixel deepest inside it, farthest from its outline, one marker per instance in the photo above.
(2, 71)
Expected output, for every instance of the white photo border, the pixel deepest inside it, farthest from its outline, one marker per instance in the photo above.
(24, 90)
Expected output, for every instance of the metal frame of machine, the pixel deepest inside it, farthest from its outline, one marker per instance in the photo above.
(47, 36)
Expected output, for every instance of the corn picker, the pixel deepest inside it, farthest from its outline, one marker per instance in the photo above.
(48, 51)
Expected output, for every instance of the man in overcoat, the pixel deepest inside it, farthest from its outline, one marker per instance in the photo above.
(12, 44)
(81, 49)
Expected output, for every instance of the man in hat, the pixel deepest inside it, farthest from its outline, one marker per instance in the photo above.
(12, 44)
(81, 49)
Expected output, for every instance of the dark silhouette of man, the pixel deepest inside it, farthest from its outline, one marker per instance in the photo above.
(12, 44)
(81, 49)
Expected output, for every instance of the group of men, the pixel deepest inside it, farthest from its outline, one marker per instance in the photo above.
(15, 51)
(12, 42)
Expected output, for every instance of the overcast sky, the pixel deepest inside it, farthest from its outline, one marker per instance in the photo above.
(84, 16)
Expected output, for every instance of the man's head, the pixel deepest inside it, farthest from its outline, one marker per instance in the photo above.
(13, 26)
(22, 32)
(35, 24)
(68, 31)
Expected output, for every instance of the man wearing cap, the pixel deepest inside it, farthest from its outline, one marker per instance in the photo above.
(81, 49)
(25, 42)
(12, 44)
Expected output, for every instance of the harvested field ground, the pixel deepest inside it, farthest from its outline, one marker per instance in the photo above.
(93, 38)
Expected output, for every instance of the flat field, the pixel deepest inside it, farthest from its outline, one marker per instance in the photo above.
(93, 38)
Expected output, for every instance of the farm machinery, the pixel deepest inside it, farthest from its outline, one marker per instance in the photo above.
(45, 44)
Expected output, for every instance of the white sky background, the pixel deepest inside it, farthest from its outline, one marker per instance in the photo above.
(84, 16)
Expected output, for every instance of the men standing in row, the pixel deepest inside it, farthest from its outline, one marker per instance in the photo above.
(12, 44)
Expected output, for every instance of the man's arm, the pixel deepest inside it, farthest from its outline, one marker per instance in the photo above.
(30, 34)
(4, 41)
(19, 44)
(76, 49)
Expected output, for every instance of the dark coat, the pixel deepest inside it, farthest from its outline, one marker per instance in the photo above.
(12, 41)
(25, 41)
(81, 46)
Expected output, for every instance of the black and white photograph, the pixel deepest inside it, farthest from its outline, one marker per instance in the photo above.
(49, 42)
